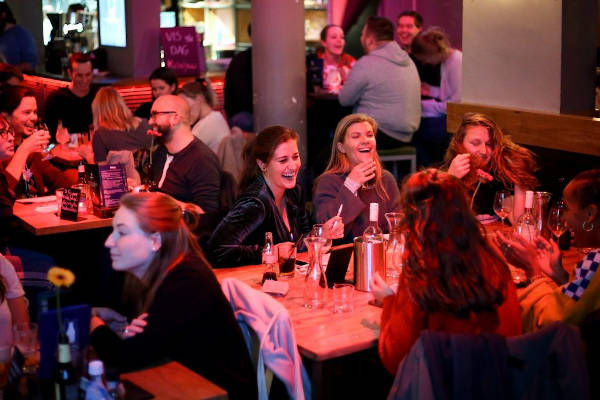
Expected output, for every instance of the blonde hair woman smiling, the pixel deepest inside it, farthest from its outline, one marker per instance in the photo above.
(354, 177)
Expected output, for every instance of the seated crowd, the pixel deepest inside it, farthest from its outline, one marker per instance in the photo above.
(455, 279)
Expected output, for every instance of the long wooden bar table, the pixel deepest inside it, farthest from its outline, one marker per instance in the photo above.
(47, 223)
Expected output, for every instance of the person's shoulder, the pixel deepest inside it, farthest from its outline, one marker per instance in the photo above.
(192, 272)
(329, 179)
(387, 175)
(200, 149)
(347, 59)
(59, 94)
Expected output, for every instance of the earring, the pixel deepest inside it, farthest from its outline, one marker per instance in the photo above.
(588, 227)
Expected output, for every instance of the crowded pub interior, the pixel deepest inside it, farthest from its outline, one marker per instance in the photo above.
(318, 199)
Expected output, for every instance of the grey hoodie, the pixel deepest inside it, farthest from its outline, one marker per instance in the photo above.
(385, 84)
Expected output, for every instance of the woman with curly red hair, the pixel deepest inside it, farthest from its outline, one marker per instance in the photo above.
(486, 160)
(454, 280)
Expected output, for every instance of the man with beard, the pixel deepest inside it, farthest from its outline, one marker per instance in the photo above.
(183, 166)
(16, 42)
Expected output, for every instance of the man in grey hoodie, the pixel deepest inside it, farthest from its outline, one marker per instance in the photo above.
(384, 83)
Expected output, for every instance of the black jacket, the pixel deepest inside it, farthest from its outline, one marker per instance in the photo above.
(189, 321)
(239, 238)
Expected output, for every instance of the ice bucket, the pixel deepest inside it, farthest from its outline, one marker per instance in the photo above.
(369, 257)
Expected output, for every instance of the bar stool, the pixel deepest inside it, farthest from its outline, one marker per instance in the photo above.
(394, 156)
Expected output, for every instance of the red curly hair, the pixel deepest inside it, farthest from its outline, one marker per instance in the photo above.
(450, 266)
(510, 163)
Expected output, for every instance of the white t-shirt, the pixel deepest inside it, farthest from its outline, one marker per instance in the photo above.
(13, 290)
(211, 130)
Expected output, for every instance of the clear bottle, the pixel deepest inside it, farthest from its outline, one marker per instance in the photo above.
(65, 384)
(269, 258)
(315, 282)
(95, 388)
(395, 245)
(526, 224)
(373, 232)
(81, 173)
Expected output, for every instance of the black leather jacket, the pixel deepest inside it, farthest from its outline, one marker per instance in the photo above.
(239, 238)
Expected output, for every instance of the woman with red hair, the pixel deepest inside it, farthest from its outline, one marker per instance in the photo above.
(486, 160)
(188, 318)
(454, 280)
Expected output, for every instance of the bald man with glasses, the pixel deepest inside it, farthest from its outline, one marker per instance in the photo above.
(183, 166)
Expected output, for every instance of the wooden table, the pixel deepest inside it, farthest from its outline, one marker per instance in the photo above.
(48, 223)
(173, 381)
(321, 334)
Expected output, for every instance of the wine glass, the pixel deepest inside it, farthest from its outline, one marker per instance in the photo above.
(41, 126)
(503, 204)
(556, 219)
(62, 134)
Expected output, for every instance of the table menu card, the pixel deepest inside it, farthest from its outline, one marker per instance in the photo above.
(70, 204)
(108, 182)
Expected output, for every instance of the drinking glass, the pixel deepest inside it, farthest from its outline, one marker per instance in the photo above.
(556, 219)
(25, 336)
(287, 259)
(343, 296)
(62, 135)
(41, 126)
(503, 204)
(317, 231)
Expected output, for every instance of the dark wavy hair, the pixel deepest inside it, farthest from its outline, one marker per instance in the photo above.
(262, 148)
(449, 266)
(510, 163)
(11, 96)
(586, 188)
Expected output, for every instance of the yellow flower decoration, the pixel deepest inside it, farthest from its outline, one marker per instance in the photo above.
(61, 277)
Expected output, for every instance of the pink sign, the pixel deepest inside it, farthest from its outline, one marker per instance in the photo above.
(183, 50)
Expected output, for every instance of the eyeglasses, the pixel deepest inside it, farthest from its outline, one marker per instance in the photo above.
(153, 114)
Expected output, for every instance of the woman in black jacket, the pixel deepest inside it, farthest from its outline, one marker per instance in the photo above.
(271, 201)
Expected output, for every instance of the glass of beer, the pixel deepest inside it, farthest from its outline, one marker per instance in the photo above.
(287, 259)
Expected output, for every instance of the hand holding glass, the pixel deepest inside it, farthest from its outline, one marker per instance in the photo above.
(41, 126)
(556, 219)
(503, 204)
(26, 339)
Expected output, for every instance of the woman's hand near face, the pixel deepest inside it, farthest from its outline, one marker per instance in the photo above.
(460, 166)
(363, 172)
(333, 228)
